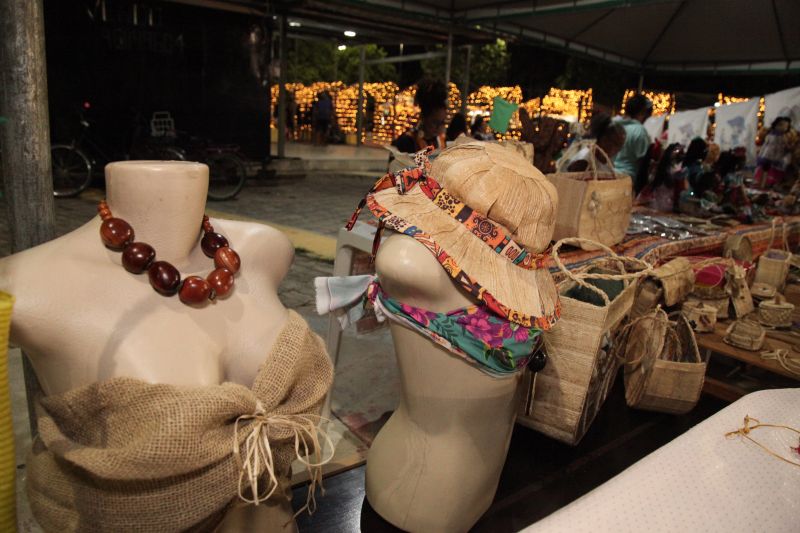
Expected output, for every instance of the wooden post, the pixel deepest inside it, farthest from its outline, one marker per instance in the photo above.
(25, 137)
(360, 110)
(465, 90)
(449, 61)
(282, 90)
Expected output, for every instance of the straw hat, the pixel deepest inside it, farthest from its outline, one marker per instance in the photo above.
(515, 198)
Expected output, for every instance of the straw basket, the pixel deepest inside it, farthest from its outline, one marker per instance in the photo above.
(648, 296)
(663, 368)
(8, 463)
(580, 368)
(592, 205)
(776, 313)
(745, 334)
(738, 290)
(677, 278)
(773, 265)
(702, 316)
(739, 247)
(715, 269)
(763, 291)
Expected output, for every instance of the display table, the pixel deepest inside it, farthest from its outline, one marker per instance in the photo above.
(703, 481)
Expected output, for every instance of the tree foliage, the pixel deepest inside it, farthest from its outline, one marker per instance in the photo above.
(489, 64)
(311, 61)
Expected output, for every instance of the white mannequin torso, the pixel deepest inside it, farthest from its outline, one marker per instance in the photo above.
(436, 463)
(82, 318)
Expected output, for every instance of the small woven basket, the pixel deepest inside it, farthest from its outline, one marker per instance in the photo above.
(702, 316)
(745, 334)
(739, 247)
(776, 313)
(763, 291)
(773, 265)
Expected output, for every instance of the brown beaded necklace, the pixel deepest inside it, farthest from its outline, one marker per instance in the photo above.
(138, 257)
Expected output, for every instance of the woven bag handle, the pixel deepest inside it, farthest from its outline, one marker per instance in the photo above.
(594, 161)
(591, 158)
(658, 315)
(621, 260)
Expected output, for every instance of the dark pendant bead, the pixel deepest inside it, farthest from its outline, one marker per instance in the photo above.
(221, 280)
(195, 291)
(164, 278)
(537, 362)
(226, 257)
(211, 242)
(116, 233)
(137, 257)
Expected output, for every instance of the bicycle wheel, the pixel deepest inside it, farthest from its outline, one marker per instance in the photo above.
(72, 170)
(226, 175)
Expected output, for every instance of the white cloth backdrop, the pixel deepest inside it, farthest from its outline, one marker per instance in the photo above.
(782, 104)
(686, 125)
(654, 126)
(737, 125)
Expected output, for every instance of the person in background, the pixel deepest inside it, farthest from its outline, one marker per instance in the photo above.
(431, 97)
(660, 193)
(321, 115)
(458, 126)
(734, 197)
(775, 152)
(637, 141)
(480, 129)
(606, 140)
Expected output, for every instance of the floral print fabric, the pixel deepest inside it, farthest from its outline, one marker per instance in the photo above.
(496, 345)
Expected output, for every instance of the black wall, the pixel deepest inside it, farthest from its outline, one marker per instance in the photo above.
(190, 61)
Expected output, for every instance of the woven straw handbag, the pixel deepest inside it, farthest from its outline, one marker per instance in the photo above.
(648, 296)
(592, 205)
(739, 247)
(702, 316)
(776, 313)
(710, 278)
(773, 265)
(663, 368)
(738, 290)
(580, 367)
(677, 279)
(745, 334)
(762, 291)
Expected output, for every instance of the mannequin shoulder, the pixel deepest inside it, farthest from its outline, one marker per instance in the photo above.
(409, 272)
(259, 244)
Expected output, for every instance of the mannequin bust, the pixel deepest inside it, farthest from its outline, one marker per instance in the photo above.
(436, 463)
(82, 318)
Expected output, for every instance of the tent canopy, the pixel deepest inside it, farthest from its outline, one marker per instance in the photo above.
(647, 35)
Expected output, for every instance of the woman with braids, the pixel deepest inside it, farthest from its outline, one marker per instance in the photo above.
(607, 138)
(431, 98)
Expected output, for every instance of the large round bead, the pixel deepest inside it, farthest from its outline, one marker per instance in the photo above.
(137, 257)
(164, 278)
(195, 291)
(116, 233)
(221, 280)
(211, 242)
(226, 257)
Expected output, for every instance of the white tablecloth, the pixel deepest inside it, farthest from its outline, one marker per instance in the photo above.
(702, 481)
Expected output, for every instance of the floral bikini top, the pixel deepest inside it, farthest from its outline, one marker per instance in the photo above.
(493, 344)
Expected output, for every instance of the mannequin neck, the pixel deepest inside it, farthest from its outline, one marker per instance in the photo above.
(163, 201)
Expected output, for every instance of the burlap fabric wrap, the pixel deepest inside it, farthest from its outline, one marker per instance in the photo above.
(124, 455)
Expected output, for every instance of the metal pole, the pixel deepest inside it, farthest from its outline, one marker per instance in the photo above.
(465, 90)
(282, 90)
(449, 62)
(360, 109)
(641, 82)
(25, 138)
(268, 27)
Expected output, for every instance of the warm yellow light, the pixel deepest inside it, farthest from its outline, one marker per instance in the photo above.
(663, 103)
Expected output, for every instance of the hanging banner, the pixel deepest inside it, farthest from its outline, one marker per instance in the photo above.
(737, 125)
(782, 104)
(655, 126)
(686, 125)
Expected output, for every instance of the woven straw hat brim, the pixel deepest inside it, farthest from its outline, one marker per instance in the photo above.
(527, 292)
